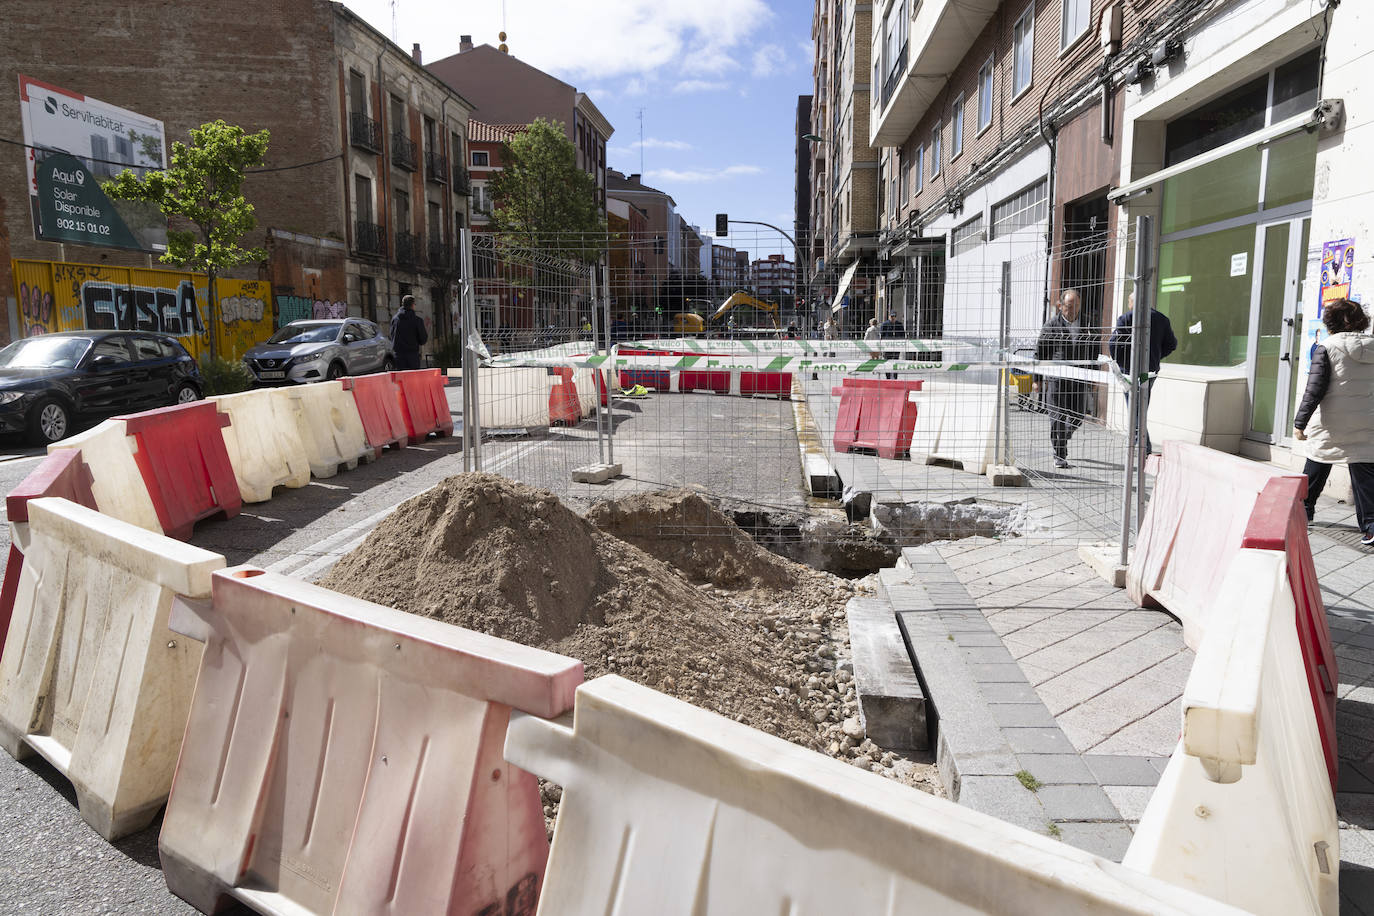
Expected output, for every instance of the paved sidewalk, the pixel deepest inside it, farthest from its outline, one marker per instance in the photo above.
(1111, 676)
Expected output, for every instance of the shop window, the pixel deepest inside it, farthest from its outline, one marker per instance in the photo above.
(1217, 123)
(1295, 86)
(1291, 170)
(1204, 288)
(1023, 209)
(1209, 193)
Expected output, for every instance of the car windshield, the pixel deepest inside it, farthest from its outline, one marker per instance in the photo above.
(305, 333)
(44, 353)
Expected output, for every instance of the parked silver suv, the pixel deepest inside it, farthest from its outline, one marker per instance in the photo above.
(309, 351)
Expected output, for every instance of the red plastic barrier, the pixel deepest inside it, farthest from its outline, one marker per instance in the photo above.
(705, 380)
(185, 465)
(424, 405)
(379, 406)
(63, 474)
(564, 406)
(774, 383)
(1279, 522)
(875, 414)
(1195, 522)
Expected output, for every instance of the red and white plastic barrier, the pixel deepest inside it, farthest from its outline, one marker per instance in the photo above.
(424, 405)
(672, 810)
(340, 756)
(378, 400)
(877, 414)
(116, 481)
(181, 455)
(91, 678)
(329, 427)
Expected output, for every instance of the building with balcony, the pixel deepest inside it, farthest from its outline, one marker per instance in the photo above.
(843, 164)
(774, 279)
(358, 204)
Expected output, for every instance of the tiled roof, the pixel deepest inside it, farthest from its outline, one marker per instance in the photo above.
(482, 132)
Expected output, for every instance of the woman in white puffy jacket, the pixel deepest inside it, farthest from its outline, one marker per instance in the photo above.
(1336, 416)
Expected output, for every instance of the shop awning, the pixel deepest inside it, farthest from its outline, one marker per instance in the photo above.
(844, 287)
(1292, 125)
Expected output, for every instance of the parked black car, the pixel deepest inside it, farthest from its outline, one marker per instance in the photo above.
(48, 382)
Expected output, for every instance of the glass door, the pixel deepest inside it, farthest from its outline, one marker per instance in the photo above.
(1275, 331)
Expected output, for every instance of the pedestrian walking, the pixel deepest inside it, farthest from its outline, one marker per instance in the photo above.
(892, 329)
(831, 329)
(872, 333)
(1162, 343)
(408, 335)
(1335, 418)
(1064, 339)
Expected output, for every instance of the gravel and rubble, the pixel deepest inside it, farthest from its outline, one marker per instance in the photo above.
(712, 619)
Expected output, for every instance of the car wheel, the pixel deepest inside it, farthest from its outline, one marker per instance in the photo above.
(335, 371)
(49, 422)
(388, 365)
(187, 393)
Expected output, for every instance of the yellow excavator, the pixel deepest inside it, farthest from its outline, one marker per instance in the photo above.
(687, 323)
(755, 310)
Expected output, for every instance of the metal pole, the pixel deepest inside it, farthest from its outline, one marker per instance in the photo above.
(596, 348)
(472, 409)
(1003, 366)
(1144, 305)
(464, 355)
(606, 376)
(1139, 319)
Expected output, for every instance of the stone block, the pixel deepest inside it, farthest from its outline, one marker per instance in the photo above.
(1021, 715)
(1004, 798)
(1038, 741)
(1057, 769)
(891, 702)
(1077, 803)
(596, 473)
(1121, 770)
(1005, 475)
(1105, 560)
(1108, 840)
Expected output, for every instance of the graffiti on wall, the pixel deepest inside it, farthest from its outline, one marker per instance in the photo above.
(55, 297)
(301, 308)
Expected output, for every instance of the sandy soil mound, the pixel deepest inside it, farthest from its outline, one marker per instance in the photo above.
(493, 555)
(686, 531)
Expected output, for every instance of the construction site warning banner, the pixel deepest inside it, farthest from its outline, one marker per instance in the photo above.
(53, 296)
(73, 142)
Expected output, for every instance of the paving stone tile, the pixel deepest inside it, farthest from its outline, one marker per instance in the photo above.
(1077, 803)
(1021, 715)
(1121, 770)
(979, 639)
(1155, 735)
(1065, 691)
(1130, 801)
(1057, 769)
(1038, 741)
(1009, 673)
(1005, 798)
(1101, 716)
(1009, 693)
(1108, 840)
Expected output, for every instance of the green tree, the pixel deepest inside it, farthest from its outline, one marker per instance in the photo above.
(203, 188)
(542, 201)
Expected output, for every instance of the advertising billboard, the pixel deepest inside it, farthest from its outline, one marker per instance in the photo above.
(75, 142)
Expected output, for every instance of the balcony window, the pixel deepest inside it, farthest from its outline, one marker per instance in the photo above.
(985, 96)
(894, 49)
(956, 126)
(1075, 22)
(362, 197)
(1023, 45)
(364, 133)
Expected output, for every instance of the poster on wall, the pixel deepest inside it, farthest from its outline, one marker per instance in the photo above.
(74, 142)
(1338, 266)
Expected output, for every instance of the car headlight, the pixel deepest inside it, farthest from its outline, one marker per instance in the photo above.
(307, 360)
(9, 397)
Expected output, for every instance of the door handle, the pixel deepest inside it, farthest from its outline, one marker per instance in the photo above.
(1285, 357)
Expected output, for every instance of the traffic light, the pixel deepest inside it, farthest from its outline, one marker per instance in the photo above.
(722, 225)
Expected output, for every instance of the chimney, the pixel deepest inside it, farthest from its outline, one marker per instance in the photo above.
(415, 53)
(464, 43)
(635, 178)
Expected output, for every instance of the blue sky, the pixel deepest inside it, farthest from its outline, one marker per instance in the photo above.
(718, 83)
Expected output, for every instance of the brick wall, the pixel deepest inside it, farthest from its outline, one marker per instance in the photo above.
(255, 63)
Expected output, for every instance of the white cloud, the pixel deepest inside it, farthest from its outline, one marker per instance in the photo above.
(768, 60)
(623, 37)
(692, 176)
(695, 85)
(652, 143)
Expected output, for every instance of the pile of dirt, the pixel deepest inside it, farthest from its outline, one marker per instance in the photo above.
(686, 531)
(489, 554)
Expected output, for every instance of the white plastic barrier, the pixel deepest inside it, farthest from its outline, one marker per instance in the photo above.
(957, 422)
(91, 678)
(1198, 511)
(329, 427)
(342, 757)
(512, 398)
(1245, 812)
(669, 809)
(264, 442)
(587, 395)
(117, 483)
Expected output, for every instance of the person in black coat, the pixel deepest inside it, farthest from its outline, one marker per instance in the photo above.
(1065, 339)
(1162, 343)
(408, 335)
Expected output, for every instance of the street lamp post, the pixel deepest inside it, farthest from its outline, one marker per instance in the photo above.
(796, 253)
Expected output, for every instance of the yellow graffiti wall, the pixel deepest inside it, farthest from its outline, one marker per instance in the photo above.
(54, 296)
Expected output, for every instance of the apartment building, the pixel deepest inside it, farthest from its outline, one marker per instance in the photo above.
(662, 242)
(1021, 140)
(725, 269)
(802, 190)
(506, 90)
(365, 187)
(774, 279)
(631, 286)
(843, 165)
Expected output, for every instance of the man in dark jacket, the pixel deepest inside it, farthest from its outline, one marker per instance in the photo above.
(892, 329)
(1162, 343)
(408, 335)
(1065, 339)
